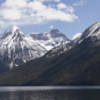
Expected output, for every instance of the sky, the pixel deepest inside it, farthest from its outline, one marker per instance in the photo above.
(71, 17)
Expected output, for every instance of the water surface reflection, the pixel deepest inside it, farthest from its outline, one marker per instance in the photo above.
(50, 94)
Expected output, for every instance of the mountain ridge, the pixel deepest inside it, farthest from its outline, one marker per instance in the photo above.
(77, 66)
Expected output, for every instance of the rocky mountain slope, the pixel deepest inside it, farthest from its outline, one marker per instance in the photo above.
(58, 50)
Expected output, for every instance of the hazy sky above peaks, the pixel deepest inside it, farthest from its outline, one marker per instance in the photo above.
(69, 16)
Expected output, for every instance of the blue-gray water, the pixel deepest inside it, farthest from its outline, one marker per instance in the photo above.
(50, 93)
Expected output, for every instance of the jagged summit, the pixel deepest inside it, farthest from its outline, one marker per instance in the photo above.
(12, 32)
(51, 39)
(91, 34)
(16, 47)
(54, 30)
(93, 30)
(56, 33)
(13, 29)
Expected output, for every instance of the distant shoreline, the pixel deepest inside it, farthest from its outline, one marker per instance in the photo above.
(43, 88)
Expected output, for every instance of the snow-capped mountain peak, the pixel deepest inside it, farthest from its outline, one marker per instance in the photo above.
(15, 28)
(13, 31)
(51, 39)
(91, 34)
(18, 47)
(93, 30)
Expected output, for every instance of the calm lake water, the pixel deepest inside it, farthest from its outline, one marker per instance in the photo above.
(50, 93)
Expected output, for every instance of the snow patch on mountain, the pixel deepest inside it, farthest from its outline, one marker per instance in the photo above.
(76, 36)
(60, 49)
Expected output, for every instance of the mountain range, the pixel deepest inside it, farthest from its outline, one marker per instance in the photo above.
(69, 62)
(18, 48)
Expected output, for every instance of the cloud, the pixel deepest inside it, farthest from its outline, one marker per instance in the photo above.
(49, 0)
(79, 3)
(61, 6)
(68, 9)
(11, 14)
(76, 36)
(21, 12)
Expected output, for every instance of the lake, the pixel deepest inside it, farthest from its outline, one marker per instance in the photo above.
(50, 93)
